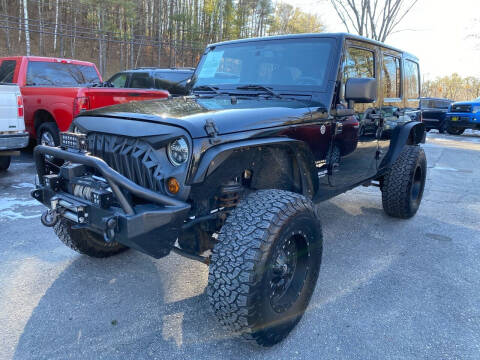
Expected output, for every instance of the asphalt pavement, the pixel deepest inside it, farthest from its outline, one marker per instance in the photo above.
(388, 288)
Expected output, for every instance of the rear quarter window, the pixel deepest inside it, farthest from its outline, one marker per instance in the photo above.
(412, 80)
(41, 73)
(7, 71)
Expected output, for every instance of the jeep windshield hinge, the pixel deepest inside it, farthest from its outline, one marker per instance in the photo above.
(211, 128)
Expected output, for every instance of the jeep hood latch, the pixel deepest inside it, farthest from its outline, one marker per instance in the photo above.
(211, 128)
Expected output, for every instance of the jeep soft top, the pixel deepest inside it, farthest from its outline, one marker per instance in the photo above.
(228, 175)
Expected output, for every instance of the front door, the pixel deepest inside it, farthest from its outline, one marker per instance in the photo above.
(354, 151)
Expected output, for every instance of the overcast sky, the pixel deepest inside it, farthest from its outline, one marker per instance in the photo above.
(436, 31)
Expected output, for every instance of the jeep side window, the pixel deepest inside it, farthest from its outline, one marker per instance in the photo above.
(359, 63)
(412, 80)
(391, 77)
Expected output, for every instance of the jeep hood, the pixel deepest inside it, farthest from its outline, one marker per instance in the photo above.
(192, 113)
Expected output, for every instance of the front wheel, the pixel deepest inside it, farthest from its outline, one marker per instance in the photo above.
(443, 127)
(5, 162)
(403, 185)
(455, 131)
(265, 265)
(85, 241)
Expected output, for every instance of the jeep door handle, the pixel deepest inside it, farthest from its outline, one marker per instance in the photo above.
(338, 128)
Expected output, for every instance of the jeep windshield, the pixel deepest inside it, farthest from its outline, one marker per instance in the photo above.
(295, 64)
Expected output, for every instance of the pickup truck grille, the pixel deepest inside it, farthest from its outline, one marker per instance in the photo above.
(133, 158)
(461, 108)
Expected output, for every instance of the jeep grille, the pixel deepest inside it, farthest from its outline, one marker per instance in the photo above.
(133, 158)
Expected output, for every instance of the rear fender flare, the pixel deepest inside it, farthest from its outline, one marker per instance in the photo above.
(217, 155)
(412, 133)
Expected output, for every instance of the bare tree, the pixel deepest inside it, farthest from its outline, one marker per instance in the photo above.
(376, 19)
(27, 29)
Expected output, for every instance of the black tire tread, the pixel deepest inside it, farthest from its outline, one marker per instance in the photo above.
(86, 242)
(397, 182)
(5, 162)
(243, 241)
(50, 127)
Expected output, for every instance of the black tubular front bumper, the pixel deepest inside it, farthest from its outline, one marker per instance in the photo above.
(151, 228)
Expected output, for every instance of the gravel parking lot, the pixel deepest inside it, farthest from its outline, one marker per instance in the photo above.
(388, 289)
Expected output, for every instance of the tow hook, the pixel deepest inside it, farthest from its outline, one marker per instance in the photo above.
(110, 227)
(49, 218)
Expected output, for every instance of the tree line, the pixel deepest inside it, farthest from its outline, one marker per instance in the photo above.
(454, 87)
(122, 34)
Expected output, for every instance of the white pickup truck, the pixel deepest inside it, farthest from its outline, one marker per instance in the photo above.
(13, 136)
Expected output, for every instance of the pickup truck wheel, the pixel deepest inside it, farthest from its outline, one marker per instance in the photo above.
(443, 127)
(86, 242)
(403, 185)
(265, 265)
(455, 131)
(48, 134)
(5, 162)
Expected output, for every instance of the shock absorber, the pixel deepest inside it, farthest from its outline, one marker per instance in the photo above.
(230, 194)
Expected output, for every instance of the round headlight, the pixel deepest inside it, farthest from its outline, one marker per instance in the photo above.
(177, 151)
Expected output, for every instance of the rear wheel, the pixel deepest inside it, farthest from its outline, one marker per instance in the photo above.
(265, 265)
(48, 134)
(455, 131)
(5, 162)
(402, 187)
(85, 241)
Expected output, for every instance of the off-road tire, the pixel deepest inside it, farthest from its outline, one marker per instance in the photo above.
(5, 162)
(243, 261)
(85, 241)
(403, 186)
(455, 131)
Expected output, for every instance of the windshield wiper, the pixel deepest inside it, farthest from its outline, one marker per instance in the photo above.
(207, 88)
(260, 87)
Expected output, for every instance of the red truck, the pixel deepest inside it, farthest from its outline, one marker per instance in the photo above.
(56, 90)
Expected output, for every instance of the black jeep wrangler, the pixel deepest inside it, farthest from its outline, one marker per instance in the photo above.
(229, 174)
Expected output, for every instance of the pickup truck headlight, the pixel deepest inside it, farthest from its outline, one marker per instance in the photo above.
(178, 151)
(476, 109)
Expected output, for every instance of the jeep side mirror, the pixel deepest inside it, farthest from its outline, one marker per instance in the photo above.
(360, 90)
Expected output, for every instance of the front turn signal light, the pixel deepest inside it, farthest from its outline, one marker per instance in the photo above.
(172, 185)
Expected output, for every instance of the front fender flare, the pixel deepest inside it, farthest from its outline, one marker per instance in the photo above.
(217, 155)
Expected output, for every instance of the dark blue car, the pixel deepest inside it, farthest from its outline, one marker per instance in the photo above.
(463, 115)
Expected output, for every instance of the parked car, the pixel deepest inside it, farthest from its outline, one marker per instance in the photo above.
(173, 80)
(231, 173)
(463, 115)
(434, 113)
(56, 90)
(13, 136)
